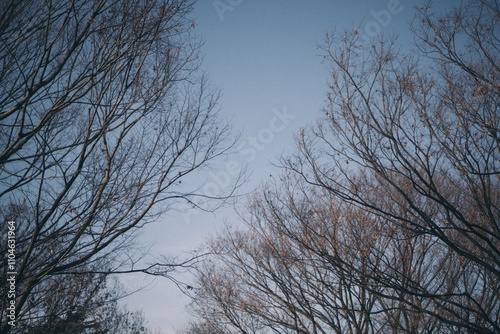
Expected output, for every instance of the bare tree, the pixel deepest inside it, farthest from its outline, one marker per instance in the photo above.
(398, 229)
(311, 262)
(81, 304)
(308, 263)
(103, 112)
(415, 140)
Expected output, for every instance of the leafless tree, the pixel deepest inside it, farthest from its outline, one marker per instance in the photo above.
(81, 304)
(306, 264)
(396, 228)
(415, 140)
(103, 111)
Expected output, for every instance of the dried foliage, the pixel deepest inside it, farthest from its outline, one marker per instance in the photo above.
(387, 218)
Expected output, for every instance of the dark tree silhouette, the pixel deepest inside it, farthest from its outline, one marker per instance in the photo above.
(81, 304)
(102, 112)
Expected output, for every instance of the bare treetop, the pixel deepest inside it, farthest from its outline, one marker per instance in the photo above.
(102, 112)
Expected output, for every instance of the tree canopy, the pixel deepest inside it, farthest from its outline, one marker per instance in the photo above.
(103, 111)
(386, 219)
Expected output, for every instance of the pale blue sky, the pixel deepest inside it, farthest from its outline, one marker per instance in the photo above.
(264, 56)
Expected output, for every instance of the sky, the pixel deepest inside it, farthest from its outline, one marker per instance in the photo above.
(264, 56)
